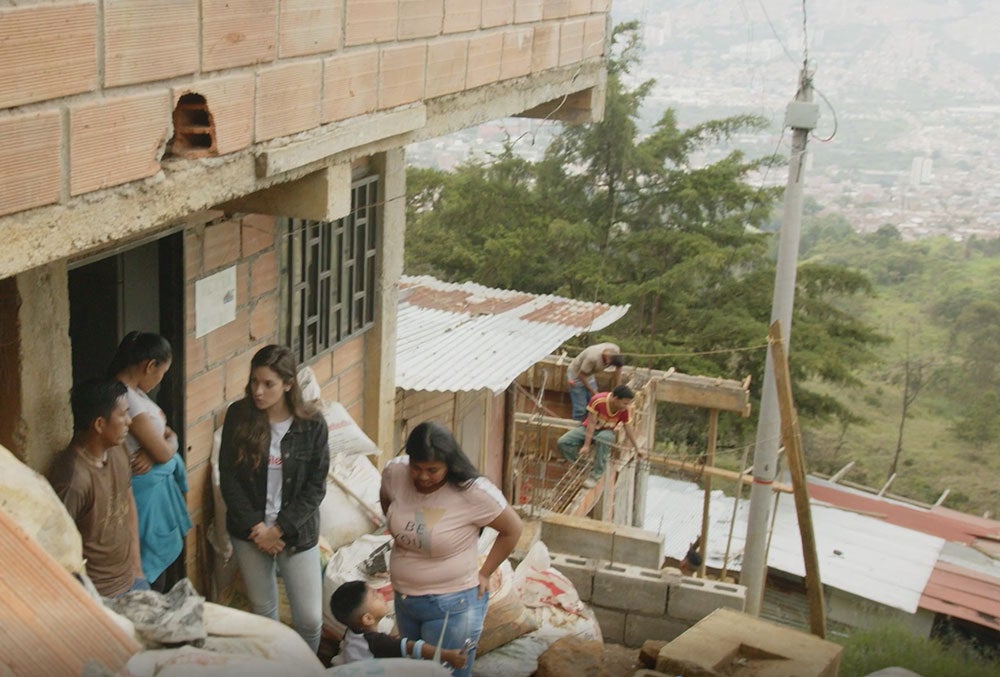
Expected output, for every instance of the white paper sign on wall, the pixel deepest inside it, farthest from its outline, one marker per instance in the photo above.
(214, 301)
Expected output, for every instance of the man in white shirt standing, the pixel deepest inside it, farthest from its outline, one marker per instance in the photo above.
(581, 371)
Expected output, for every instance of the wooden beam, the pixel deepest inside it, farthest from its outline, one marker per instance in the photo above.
(713, 434)
(839, 475)
(731, 475)
(792, 439)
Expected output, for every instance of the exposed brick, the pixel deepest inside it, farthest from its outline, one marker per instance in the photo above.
(350, 85)
(348, 354)
(420, 18)
(352, 385)
(571, 42)
(242, 284)
(263, 274)
(30, 173)
(135, 48)
(198, 442)
(401, 78)
(237, 32)
(370, 21)
(446, 60)
(484, 60)
(497, 13)
(199, 479)
(356, 411)
(322, 368)
(221, 244)
(194, 355)
(602, 6)
(230, 100)
(189, 319)
(229, 339)
(515, 61)
(331, 391)
(47, 52)
(545, 47)
(462, 15)
(257, 232)
(117, 140)
(264, 320)
(593, 36)
(288, 99)
(527, 11)
(308, 26)
(238, 372)
(578, 7)
(555, 9)
(204, 393)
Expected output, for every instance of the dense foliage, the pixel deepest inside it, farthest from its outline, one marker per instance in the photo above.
(610, 215)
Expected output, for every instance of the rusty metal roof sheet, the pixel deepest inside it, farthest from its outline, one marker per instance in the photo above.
(465, 337)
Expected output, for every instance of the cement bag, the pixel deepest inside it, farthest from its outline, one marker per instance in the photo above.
(552, 599)
(390, 666)
(346, 565)
(342, 519)
(346, 438)
(33, 504)
(506, 616)
(309, 385)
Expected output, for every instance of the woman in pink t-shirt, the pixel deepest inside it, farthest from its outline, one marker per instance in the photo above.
(436, 504)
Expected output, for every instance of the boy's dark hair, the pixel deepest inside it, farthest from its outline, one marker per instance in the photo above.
(616, 361)
(348, 602)
(623, 392)
(94, 398)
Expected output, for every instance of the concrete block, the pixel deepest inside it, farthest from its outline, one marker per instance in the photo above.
(692, 599)
(612, 622)
(764, 647)
(31, 36)
(587, 537)
(30, 174)
(620, 586)
(579, 571)
(308, 27)
(639, 628)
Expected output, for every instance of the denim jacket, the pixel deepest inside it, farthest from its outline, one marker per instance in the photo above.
(304, 464)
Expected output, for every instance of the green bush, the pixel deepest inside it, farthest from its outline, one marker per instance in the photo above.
(892, 645)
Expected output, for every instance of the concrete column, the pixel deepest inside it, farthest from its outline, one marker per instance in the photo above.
(44, 369)
(380, 343)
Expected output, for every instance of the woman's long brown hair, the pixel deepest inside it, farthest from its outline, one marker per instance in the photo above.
(252, 436)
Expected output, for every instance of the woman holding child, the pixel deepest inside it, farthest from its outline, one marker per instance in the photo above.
(273, 463)
(436, 504)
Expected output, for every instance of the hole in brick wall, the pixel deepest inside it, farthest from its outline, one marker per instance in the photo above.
(194, 129)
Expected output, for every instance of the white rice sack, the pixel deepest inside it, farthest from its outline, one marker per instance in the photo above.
(342, 518)
(346, 438)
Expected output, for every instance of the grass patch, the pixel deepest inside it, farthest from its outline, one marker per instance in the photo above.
(890, 645)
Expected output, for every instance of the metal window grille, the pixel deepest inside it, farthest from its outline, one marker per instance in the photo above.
(330, 269)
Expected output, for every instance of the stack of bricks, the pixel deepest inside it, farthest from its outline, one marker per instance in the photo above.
(616, 571)
(88, 88)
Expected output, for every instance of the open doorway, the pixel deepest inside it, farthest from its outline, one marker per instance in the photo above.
(138, 288)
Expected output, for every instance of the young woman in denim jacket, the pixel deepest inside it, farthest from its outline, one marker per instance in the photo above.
(437, 504)
(272, 464)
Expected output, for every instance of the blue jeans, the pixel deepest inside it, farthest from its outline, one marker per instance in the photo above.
(303, 583)
(580, 396)
(422, 616)
(571, 441)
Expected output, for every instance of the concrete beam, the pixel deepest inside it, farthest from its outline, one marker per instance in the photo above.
(705, 392)
(585, 537)
(576, 108)
(321, 196)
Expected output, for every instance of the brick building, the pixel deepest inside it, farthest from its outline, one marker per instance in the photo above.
(230, 173)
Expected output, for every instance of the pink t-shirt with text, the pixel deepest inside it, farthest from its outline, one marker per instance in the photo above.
(435, 534)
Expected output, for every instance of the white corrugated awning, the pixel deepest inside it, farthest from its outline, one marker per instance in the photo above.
(464, 337)
(867, 557)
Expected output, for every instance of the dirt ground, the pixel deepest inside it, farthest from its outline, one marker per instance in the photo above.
(620, 661)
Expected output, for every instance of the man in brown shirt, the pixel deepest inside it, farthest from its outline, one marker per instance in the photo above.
(93, 479)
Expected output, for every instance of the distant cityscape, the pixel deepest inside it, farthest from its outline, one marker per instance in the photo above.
(914, 89)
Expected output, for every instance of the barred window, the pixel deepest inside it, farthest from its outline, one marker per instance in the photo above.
(329, 269)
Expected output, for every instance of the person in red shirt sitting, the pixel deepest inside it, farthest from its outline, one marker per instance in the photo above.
(605, 412)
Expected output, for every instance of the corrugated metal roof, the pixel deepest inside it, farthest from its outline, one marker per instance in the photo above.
(861, 555)
(963, 593)
(463, 337)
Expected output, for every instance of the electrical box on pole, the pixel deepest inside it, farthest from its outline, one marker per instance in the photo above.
(802, 115)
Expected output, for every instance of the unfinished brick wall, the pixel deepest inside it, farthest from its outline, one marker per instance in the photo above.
(217, 365)
(88, 88)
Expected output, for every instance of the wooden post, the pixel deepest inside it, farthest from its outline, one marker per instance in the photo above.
(713, 433)
(792, 439)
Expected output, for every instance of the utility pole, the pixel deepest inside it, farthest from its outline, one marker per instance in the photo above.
(801, 115)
